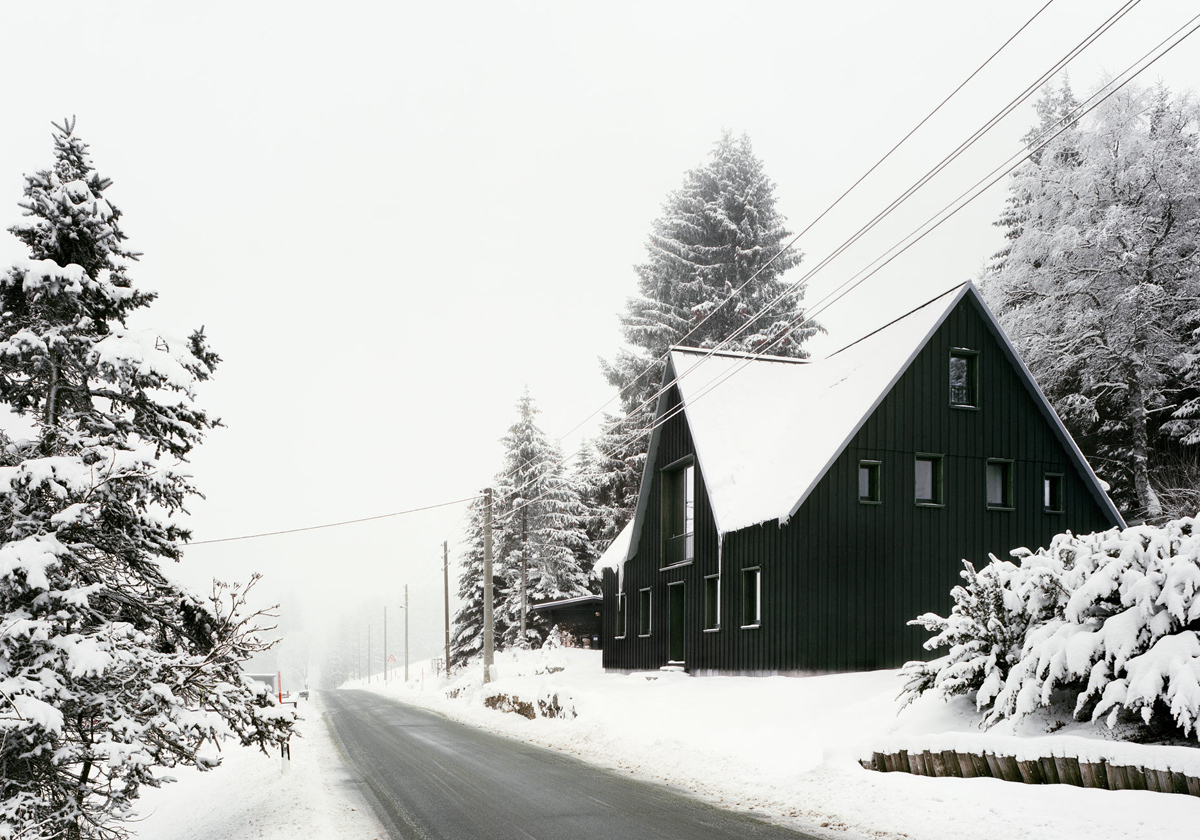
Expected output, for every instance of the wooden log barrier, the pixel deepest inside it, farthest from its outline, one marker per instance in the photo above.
(1046, 770)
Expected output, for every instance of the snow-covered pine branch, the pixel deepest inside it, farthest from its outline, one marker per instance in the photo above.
(108, 669)
(1107, 623)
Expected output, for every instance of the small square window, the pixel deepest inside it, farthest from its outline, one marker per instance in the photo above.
(1052, 493)
(868, 482)
(751, 597)
(644, 612)
(712, 602)
(928, 484)
(620, 628)
(964, 386)
(1000, 484)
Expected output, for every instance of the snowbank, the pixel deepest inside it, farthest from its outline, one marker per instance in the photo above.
(250, 796)
(792, 755)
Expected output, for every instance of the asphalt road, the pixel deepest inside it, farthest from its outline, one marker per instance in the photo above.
(430, 778)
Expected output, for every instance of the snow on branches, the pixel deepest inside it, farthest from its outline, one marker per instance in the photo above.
(108, 669)
(1107, 622)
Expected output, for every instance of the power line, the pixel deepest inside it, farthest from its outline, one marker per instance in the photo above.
(823, 304)
(733, 294)
(334, 524)
(935, 221)
(841, 291)
(967, 197)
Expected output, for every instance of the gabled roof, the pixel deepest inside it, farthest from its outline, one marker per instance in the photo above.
(766, 429)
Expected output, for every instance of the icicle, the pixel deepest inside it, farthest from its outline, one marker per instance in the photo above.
(720, 552)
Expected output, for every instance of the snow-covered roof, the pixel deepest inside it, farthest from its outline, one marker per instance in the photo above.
(766, 429)
(566, 602)
(617, 552)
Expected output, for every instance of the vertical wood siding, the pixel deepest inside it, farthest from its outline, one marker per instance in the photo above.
(841, 580)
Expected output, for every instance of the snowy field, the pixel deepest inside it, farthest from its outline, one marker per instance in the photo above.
(792, 757)
(249, 796)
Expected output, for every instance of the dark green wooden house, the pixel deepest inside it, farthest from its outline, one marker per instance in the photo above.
(795, 515)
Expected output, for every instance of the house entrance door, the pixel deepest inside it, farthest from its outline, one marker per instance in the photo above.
(675, 602)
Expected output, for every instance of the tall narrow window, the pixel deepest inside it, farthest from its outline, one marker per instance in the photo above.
(751, 597)
(644, 612)
(679, 514)
(964, 390)
(927, 487)
(1052, 493)
(620, 628)
(868, 482)
(712, 602)
(999, 484)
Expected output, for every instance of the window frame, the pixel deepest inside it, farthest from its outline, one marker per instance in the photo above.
(937, 479)
(1060, 496)
(645, 612)
(673, 480)
(757, 599)
(972, 359)
(874, 482)
(622, 618)
(1007, 472)
(712, 604)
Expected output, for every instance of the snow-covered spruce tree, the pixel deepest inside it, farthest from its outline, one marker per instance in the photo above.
(1100, 284)
(108, 669)
(607, 474)
(467, 639)
(542, 547)
(717, 231)
(1107, 624)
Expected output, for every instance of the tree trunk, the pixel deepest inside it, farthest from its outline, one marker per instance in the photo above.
(1148, 502)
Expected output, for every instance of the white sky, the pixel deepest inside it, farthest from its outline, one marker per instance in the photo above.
(391, 217)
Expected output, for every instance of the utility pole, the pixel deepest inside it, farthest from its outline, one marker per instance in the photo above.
(524, 567)
(487, 585)
(446, 574)
(406, 633)
(385, 667)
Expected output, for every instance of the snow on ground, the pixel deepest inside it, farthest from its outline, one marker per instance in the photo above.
(790, 752)
(249, 796)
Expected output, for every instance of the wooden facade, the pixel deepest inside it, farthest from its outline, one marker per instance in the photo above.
(835, 585)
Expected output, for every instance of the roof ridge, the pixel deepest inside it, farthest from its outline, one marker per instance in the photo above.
(897, 320)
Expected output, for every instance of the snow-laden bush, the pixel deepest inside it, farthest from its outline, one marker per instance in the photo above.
(1110, 621)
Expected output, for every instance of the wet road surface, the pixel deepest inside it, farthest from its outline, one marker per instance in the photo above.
(430, 778)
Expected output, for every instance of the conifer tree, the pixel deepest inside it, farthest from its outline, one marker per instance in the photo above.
(719, 230)
(467, 639)
(108, 669)
(1099, 286)
(542, 546)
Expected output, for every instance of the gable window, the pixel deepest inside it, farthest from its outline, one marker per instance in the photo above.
(679, 514)
(1000, 484)
(644, 612)
(712, 602)
(927, 488)
(964, 379)
(620, 628)
(868, 482)
(751, 597)
(1052, 493)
